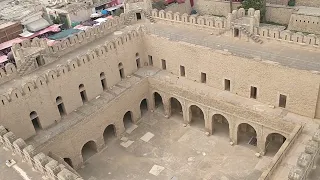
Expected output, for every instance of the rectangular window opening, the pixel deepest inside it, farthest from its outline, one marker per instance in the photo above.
(182, 71)
(203, 77)
(103, 84)
(36, 124)
(61, 109)
(227, 85)
(253, 92)
(138, 63)
(150, 60)
(164, 65)
(282, 100)
(83, 96)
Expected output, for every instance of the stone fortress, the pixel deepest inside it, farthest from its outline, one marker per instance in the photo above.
(63, 106)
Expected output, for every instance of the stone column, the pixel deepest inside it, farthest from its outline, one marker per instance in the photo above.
(186, 114)
(166, 106)
(151, 102)
(100, 143)
(207, 121)
(77, 161)
(233, 131)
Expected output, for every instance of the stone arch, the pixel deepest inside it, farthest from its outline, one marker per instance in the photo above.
(109, 133)
(176, 107)
(10, 68)
(15, 94)
(103, 81)
(144, 106)
(158, 102)
(246, 134)
(274, 142)
(28, 87)
(121, 70)
(35, 121)
(127, 119)
(88, 150)
(4, 100)
(196, 116)
(220, 125)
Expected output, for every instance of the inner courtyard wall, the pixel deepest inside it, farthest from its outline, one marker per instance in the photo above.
(300, 87)
(45, 88)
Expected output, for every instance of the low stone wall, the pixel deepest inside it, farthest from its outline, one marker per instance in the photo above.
(281, 153)
(38, 161)
(181, 8)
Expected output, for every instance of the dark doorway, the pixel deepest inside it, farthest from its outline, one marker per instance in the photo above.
(121, 71)
(83, 93)
(68, 161)
(220, 125)
(236, 32)
(196, 117)
(247, 134)
(158, 104)
(282, 101)
(35, 121)
(103, 81)
(138, 16)
(127, 120)
(138, 60)
(144, 107)
(109, 133)
(60, 106)
(88, 150)
(176, 108)
(274, 142)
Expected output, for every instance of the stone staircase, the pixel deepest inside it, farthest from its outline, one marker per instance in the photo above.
(25, 66)
(132, 14)
(250, 35)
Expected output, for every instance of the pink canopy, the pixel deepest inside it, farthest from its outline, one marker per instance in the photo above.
(3, 59)
(8, 44)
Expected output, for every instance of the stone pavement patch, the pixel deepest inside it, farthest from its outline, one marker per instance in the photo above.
(156, 170)
(126, 144)
(131, 128)
(147, 137)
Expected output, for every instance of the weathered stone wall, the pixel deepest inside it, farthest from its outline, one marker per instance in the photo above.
(181, 8)
(300, 87)
(305, 23)
(217, 8)
(311, 3)
(39, 93)
(279, 14)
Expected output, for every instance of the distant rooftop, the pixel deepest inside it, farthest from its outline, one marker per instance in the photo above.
(309, 11)
(15, 10)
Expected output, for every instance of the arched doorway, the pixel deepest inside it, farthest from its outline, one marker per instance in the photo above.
(247, 134)
(144, 107)
(176, 108)
(88, 150)
(109, 133)
(196, 117)
(127, 120)
(35, 121)
(68, 161)
(158, 104)
(121, 71)
(60, 105)
(273, 143)
(220, 125)
(138, 61)
(83, 93)
(103, 81)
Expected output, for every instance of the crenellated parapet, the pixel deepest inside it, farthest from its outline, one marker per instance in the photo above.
(40, 162)
(288, 36)
(8, 73)
(307, 159)
(14, 94)
(211, 22)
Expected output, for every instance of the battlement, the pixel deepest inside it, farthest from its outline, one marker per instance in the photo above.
(39, 81)
(211, 22)
(288, 36)
(40, 162)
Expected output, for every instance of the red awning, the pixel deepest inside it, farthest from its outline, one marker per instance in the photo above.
(8, 44)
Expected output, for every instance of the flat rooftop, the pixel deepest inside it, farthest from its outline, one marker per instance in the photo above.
(309, 11)
(293, 57)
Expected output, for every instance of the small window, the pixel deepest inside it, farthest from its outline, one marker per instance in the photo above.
(150, 60)
(39, 61)
(203, 77)
(164, 64)
(282, 100)
(253, 92)
(182, 71)
(227, 84)
(138, 63)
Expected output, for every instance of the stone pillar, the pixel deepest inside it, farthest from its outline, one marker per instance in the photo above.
(207, 121)
(233, 131)
(151, 102)
(100, 143)
(77, 161)
(261, 141)
(166, 106)
(186, 114)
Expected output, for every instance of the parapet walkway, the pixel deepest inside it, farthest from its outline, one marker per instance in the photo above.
(294, 57)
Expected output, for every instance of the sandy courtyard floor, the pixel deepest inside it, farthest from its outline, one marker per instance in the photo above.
(173, 153)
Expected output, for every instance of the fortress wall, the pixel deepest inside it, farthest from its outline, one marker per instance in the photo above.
(181, 8)
(200, 22)
(287, 36)
(8, 73)
(218, 8)
(93, 126)
(310, 3)
(305, 23)
(300, 87)
(39, 93)
(279, 14)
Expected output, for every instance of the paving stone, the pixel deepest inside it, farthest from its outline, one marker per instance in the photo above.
(156, 170)
(147, 137)
(131, 128)
(126, 144)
